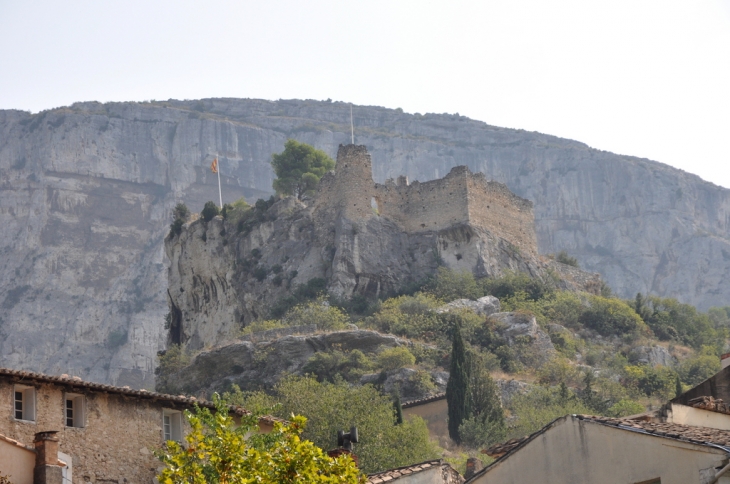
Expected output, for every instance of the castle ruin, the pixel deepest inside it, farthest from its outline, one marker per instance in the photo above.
(461, 197)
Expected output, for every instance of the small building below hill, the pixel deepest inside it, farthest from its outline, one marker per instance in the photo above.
(429, 472)
(434, 411)
(581, 449)
(104, 433)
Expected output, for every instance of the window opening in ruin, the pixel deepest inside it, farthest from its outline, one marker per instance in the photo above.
(24, 402)
(171, 425)
(74, 410)
(374, 205)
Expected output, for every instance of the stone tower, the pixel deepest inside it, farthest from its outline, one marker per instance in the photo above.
(351, 188)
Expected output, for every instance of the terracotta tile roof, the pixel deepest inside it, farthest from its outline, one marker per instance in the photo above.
(25, 447)
(393, 474)
(686, 433)
(75, 382)
(498, 450)
(711, 404)
(423, 401)
(16, 443)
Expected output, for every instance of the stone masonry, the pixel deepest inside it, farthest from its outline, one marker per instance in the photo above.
(461, 197)
(120, 428)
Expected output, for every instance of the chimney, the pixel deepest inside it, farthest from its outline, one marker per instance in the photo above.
(345, 441)
(473, 465)
(47, 470)
(725, 360)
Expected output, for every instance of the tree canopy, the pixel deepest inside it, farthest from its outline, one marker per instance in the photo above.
(298, 168)
(218, 451)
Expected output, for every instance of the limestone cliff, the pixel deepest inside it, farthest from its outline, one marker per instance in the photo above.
(86, 192)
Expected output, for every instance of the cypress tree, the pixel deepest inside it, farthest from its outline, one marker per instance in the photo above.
(678, 386)
(457, 389)
(398, 408)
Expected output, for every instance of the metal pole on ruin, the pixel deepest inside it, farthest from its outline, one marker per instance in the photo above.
(352, 126)
(220, 194)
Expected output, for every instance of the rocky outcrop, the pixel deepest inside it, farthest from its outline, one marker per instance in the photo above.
(508, 389)
(652, 355)
(255, 365)
(87, 191)
(484, 306)
(521, 329)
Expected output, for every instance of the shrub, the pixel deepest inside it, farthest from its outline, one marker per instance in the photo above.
(336, 364)
(624, 408)
(174, 359)
(558, 370)
(515, 282)
(449, 285)
(700, 367)
(176, 227)
(564, 258)
(181, 212)
(210, 210)
(394, 358)
(260, 273)
(318, 313)
(612, 317)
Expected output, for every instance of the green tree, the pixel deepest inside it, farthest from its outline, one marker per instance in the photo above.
(330, 407)
(457, 388)
(298, 168)
(485, 425)
(210, 210)
(218, 451)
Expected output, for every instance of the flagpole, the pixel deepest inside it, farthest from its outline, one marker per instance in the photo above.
(218, 170)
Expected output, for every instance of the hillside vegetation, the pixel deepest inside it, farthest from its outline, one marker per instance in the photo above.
(611, 356)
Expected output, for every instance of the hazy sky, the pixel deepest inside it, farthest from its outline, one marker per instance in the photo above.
(645, 78)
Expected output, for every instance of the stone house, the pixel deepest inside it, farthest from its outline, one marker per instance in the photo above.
(429, 472)
(104, 433)
(582, 449)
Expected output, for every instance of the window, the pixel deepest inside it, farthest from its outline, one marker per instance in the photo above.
(74, 410)
(24, 402)
(171, 425)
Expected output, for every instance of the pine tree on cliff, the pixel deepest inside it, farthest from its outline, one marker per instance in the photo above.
(298, 168)
(457, 389)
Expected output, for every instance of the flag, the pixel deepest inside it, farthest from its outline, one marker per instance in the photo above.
(214, 165)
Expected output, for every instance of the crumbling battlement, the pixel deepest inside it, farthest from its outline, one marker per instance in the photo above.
(461, 197)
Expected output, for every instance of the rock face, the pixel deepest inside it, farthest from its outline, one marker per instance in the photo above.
(86, 193)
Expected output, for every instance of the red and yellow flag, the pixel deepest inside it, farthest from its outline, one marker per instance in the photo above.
(214, 165)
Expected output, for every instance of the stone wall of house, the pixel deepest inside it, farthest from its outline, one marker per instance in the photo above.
(460, 197)
(115, 446)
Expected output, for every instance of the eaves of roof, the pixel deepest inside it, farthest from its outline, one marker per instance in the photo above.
(74, 382)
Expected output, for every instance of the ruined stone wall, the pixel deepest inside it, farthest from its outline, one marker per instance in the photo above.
(434, 205)
(494, 207)
(460, 197)
(115, 445)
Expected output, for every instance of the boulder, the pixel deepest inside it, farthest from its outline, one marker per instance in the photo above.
(652, 355)
(520, 328)
(508, 389)
(484, 306)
